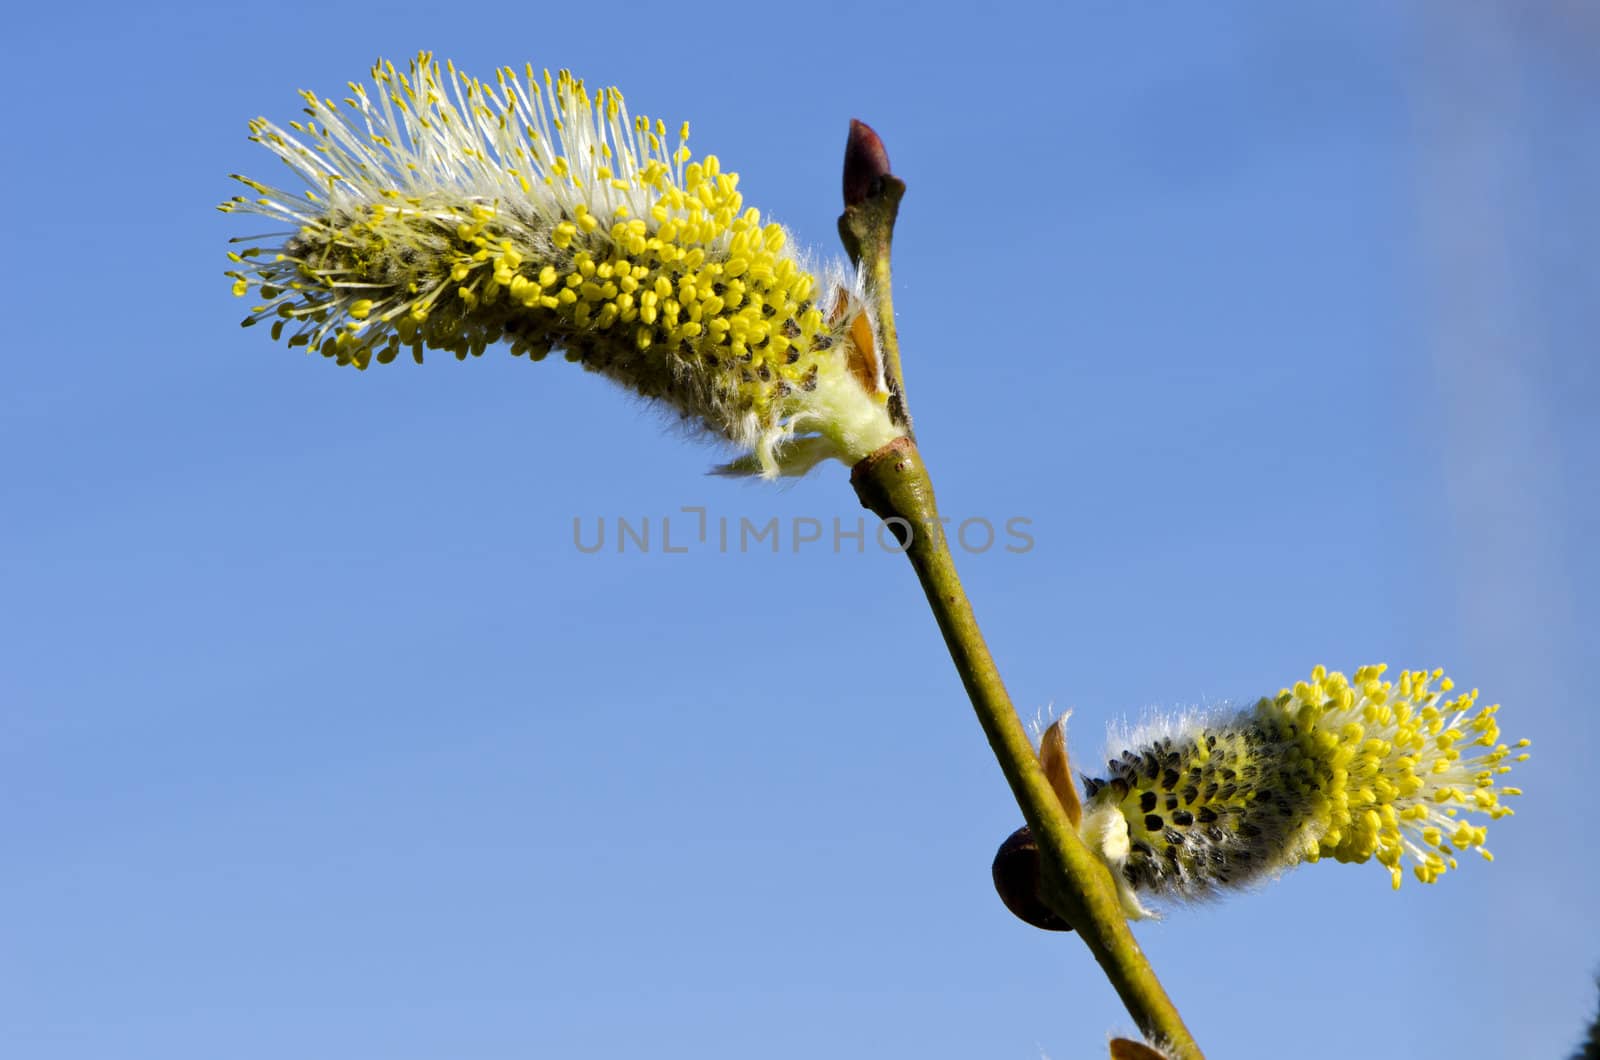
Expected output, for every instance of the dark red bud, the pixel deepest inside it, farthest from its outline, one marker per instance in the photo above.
(1016, 880)
(866, 163)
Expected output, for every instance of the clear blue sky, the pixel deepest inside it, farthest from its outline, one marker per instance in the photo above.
(319, 738)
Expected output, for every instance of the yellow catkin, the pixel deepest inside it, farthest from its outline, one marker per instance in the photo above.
(1351, 769)
(450, 214)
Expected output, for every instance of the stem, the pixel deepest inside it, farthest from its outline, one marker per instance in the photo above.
(866, 228)
(894, 484)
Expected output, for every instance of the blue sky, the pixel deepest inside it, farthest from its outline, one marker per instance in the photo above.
(319, 737)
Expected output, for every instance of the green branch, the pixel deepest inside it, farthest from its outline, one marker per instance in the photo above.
(894, 484)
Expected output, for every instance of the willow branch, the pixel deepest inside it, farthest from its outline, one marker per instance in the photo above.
(894, 484)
